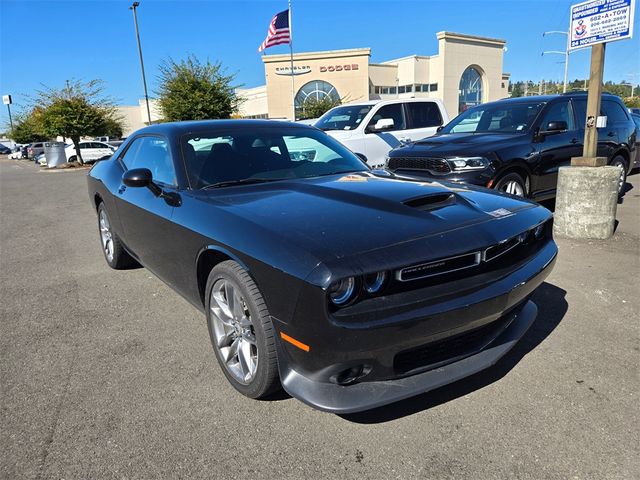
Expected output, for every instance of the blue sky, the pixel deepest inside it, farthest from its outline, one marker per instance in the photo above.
(47, 42)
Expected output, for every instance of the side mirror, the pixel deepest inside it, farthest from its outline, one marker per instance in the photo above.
(439, 128)
(362, 158)
(383, 124)
(555, 127)
(137, 177)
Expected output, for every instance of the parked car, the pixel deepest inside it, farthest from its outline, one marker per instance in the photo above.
(4, 150)
(34, 149)
(90, 151)
(517, 145)
(635, 110)
(636, 119)
(350, 288)
(371, 129)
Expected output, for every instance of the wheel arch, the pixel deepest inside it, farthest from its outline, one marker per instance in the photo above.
(209, 257)
(515, 166)
(624, 153)
(97, 200)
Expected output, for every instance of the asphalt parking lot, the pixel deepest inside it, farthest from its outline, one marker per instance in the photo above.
(109, 374)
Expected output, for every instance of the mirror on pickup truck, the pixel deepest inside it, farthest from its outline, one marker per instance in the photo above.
(382, 125)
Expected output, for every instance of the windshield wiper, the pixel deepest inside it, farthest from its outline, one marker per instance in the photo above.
(241, 181)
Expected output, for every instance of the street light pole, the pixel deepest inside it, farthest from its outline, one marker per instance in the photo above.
(565, 53)
(133, 7)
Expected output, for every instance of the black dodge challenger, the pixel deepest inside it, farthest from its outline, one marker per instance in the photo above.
(348, 287)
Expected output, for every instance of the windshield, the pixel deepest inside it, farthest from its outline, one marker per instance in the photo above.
(506, 117)
(347, 117)
(263, 154)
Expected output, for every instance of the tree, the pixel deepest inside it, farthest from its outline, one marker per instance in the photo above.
(28, 127)
(191, 90)
(314, 108)
(78, 110)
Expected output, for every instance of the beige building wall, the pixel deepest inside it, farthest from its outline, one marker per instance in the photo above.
(457, 53)
(355, 79)
(254, 102)
(346, 70)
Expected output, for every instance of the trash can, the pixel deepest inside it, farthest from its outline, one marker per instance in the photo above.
(54, 154)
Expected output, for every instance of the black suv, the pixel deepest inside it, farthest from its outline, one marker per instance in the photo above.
(517, 145)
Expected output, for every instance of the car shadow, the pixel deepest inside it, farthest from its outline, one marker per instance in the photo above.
(552, 308)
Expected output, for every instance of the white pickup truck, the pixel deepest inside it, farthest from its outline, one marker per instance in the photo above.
(371, 129)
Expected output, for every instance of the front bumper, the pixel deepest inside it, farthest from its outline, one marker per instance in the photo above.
(411, 348)
(367, 395)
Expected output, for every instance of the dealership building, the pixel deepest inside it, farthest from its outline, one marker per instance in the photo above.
(466, 71)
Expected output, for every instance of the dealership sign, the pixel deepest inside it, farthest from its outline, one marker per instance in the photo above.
(297, 70)
(599, 21)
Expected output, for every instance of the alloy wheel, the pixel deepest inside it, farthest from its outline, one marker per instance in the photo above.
(106, 236)
(234, 333)
(514, 188)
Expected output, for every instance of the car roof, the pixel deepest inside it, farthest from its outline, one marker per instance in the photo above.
(179, 128)
(543, 98)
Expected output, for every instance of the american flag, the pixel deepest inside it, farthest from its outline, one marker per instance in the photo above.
(279, 32)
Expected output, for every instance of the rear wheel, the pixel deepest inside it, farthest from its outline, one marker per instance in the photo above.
(72, 159)
(621, 163)
(513, 184)
(241, 331)
(114, 253)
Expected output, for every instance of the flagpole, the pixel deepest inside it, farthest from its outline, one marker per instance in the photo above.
(293, 88)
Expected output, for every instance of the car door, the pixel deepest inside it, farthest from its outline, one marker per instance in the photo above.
(145, 217)
(102, 150)
(556, 149)
(607, 136)
(87, 152)
(378, 144)
(423, 120)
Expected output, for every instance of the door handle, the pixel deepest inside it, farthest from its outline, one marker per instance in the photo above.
(611, 134)
(122, 189)
(574, 140)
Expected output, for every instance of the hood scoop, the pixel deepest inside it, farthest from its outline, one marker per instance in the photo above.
(431, 202)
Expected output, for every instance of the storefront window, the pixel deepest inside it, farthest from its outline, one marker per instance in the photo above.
(316, 90)
(470, 89)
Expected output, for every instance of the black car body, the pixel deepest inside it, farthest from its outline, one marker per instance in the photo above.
(636, 119)
(517, 145)
(460, 263)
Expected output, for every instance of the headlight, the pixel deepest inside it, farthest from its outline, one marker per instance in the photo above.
(341, 292)
(374, 282)
(466, 164)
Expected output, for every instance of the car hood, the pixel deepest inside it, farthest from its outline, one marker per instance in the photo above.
(339, 134)
(457, 143)
(342, 219)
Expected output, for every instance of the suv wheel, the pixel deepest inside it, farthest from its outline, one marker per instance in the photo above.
(620, 162)
(513, 184)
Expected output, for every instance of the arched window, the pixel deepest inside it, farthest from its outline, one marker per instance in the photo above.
(316, 90)
(470, 89)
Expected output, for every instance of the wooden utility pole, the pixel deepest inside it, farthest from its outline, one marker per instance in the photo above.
(589, 153)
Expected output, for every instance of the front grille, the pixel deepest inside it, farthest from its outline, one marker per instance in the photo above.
(434, 165)
(449, 349)
(502, 248)
(439, 267)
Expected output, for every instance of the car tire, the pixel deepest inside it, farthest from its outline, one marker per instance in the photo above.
(72, 159)
(241, 332)
(114, 253)
(620, 162)
(513, 184)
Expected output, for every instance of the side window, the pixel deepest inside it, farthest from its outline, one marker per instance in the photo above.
(613, 111)
(152, 153)
(580, 108)
(423, 114)
(559, 112)
(393, 111)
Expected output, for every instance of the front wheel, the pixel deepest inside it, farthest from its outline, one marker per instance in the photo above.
(620, 162)
(72, 159)
(241, 331)
(513, 184)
